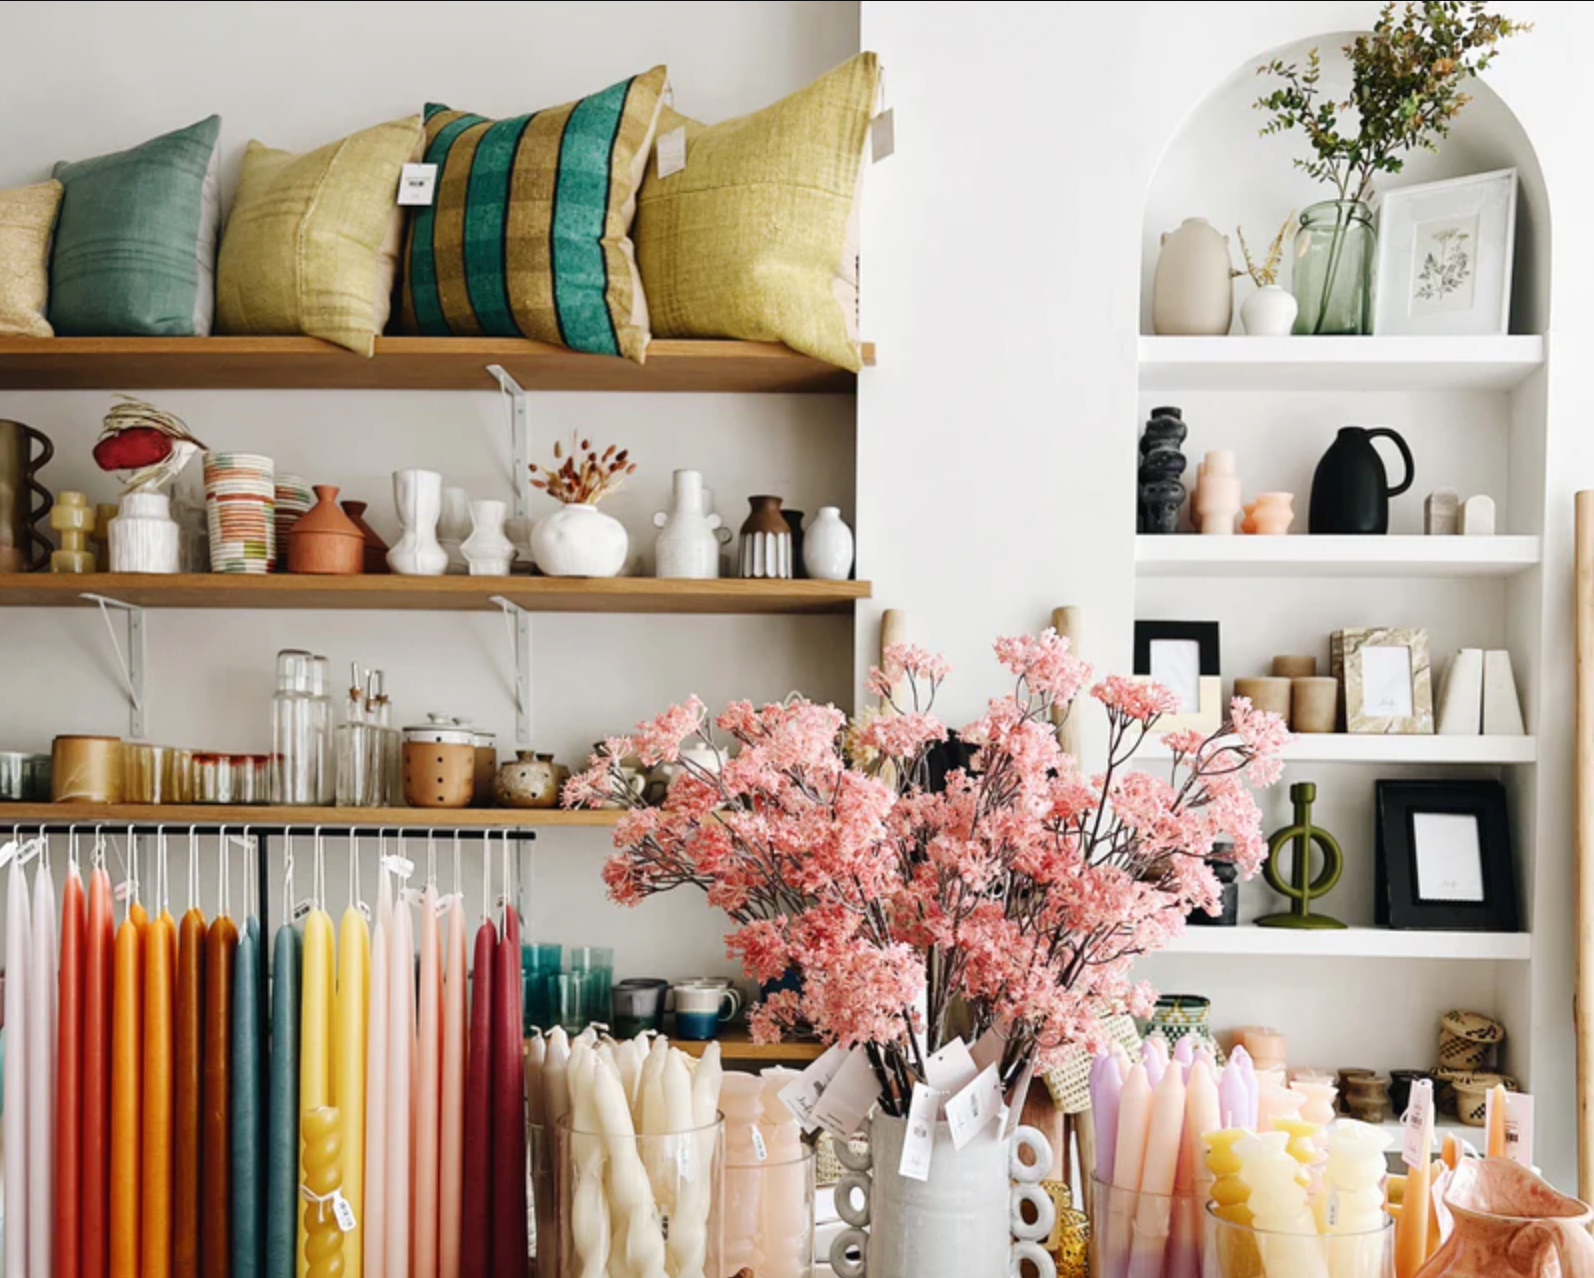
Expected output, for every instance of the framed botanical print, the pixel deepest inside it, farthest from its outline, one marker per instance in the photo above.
(1444, 857)
(1388, 682)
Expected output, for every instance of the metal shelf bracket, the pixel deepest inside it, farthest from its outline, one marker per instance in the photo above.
(132, 665)
(519, 623)
(519, 438)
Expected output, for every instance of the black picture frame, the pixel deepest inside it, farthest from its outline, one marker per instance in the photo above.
(1203, 633)
(1400, 901)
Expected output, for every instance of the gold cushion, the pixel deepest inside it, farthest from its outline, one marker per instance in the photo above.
(313, 240)
(27, 216)
(756, 238)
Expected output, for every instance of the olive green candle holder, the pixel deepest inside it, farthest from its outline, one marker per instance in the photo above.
(1305, 889)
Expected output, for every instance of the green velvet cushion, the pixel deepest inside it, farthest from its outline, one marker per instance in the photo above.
(135, 244)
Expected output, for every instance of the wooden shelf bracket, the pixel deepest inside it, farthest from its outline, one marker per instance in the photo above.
(132, 665)
(519, 622)
(519, 438)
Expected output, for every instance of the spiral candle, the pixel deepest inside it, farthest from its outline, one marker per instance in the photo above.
(323, 1182)
(1229, 1192)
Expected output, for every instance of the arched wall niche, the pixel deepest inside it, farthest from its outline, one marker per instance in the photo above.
(1216, 166)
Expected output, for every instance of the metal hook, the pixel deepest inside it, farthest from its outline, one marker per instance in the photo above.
(193, 867)
(431, 858)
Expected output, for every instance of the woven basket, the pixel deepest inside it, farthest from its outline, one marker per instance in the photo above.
(827, 1167)
(1069, 1082)
(1469, 1041)
(1472, 1096)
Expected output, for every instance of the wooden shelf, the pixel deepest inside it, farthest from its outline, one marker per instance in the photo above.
(434, 594)
(406, 363)
(1306, 556)
(1283, 364)
(735, 1045)
(1344, 747)
(1355, 942)
(124, 814)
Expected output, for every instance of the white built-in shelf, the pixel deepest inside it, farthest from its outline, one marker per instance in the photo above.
(1344, 747)
(1354, 942)
(1307, 556)
(1281, 364)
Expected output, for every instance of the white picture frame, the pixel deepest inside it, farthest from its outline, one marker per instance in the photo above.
(1446, 253)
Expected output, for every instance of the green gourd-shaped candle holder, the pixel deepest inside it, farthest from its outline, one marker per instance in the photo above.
(1305, 889)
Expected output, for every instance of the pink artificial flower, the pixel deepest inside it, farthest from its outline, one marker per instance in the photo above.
(1045, 663)
(660, 740)
(1137, 699)
(901, 736)
(777, 1014)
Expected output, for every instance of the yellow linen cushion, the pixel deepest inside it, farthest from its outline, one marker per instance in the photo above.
(756, 238)
(313, 240)
(27, 216)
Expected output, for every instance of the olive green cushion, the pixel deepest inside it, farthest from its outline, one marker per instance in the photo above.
(135, 244)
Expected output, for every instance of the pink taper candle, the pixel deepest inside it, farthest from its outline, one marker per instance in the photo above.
(400, 1049)
(1105, 1087)
(42, 1047)
(451, 1169)
(428, 1094)
(1129, 1156)
(376, 1090)
(1164, 1140)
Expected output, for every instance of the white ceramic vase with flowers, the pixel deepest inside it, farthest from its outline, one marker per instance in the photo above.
(1271, 310)
(578, 539)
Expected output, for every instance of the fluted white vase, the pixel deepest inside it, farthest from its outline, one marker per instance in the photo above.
(487, 550)
(688, 543)
(144, 536)
(418, 495)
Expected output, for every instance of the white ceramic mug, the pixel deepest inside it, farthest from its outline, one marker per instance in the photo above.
(699, 997)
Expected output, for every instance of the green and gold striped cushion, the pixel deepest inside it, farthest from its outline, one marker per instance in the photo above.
(529, 233)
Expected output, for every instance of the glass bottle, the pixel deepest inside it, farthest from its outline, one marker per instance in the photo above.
(387, 743)
(356, 786)
(1332, 280)
(326, 770)
(293, 739)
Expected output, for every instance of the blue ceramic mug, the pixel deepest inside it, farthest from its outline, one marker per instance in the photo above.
(700, 1010)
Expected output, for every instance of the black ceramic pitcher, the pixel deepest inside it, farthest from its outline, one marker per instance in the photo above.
(1351, 492)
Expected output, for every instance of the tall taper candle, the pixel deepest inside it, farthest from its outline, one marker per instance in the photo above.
(509, 1120)
(476, 1246)
(451, 1169)
(400, 1050)
(428, 1093)
(155, 1137)
(350, 1018)
(41, 1060)
(247, 1125)
(127, 1043)
(282, 1115)
(100, 951)
(375, 1228)
(18, 1100)
(215, 1199)
(187, 1126)
(315, 1033)
(69, 1094)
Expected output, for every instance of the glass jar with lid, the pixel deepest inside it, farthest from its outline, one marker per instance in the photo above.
(294, 739)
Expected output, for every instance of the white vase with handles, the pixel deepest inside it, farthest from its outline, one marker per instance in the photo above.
(454, 528)
(688, 544)
(828, 546)
(487, 550)
(418, 495)
(579, 540)
(1269, 312)
(1193, 291)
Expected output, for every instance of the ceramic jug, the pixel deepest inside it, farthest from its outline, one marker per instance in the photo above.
(688, 543)
(24, 502)
(1193, 291)
(1508, 1223)
(1350, 491)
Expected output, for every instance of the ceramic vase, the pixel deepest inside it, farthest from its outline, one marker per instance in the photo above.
(766, 541)
(828, 546)
(418, 495)
(579, 540)
(688, 542)
(532, 781)
(1193, 292)
(959, 1222)
(241, 512)
(1162, 468)
(1269, 312)
(325, 542)
(453, 528)
(1508, 1223)
(375, 547)
(1351, 490)
(144, 536)
(1217, 494)
(24, 502)
(487, 550)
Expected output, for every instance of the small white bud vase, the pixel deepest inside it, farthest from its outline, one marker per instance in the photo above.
(828, 546)
(144, 536)
(453, 527)
(487, 550)
(688, 544)
(1269, 312)
(418, 496)
(579, 540)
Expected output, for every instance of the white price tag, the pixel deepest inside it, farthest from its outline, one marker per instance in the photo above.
(364, 909)
(975, 1107)
(672, 152)
(301, 910)
(802, 1094)
(417, 184)
(952, 1068)
(126, 890)
(343, 1213)
(1415, 1152)
(399, 865)
(849, 1096)
(918, 1144)
(883, 135)
(410, 897)
(1519, 1129)
(446, 903)
(760, 1149)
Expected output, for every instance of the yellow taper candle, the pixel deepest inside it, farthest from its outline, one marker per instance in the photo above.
(315, 1036)
(349, 1032)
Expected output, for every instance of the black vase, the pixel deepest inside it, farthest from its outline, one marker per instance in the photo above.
(1351, 492)
(1228, 914)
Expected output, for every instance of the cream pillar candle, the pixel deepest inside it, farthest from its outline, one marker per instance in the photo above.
(1354, 1176)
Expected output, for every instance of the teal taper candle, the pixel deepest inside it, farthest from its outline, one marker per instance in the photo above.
(248, 1187)
(282, 1119)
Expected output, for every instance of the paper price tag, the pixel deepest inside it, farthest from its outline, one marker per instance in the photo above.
(918, 1145)
(399, 865)
(672, 152)
(974, 1108)
(417, 184)
(849, 1096)
(988, 1051)
(343, 1213)
(883, 135)
(1332, 1212)
(760, 1149)
(952, 1068)
(301, 910)
(364, 909)
(125, 890)
(1415, 1152)
(802, 1094)
(1519, 1129)
(32, 849)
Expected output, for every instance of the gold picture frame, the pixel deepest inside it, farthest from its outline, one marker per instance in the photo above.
(1388, 681)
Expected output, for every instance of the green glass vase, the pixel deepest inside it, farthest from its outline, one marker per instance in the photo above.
(1332, 281)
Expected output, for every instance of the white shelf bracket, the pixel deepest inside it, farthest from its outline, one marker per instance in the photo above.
(518, 621)
(132, 665)
(519, 439)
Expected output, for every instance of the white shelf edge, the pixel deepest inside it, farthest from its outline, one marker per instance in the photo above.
(1414, 751)
(1307, 556)
(1356, 942)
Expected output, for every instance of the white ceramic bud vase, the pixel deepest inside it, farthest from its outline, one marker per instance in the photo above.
(418, 495)
(1269, 312)
(144, 536)
(688, 543)
(454, 528)
(827, 546)
(579, 540)
(487, 550)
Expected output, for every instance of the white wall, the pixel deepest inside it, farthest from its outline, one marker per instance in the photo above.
(95, 77)
(1003, 246)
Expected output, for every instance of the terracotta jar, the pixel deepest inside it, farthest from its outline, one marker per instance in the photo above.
(1509, 1222)
(326, 542)
(532, 781)
(439, 765)
(375, 547)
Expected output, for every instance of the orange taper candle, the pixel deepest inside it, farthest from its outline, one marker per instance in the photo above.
(69, 1071)
(189, 1033)
(98, 979)
(127, 1039)
(160, 951)
(221, 943)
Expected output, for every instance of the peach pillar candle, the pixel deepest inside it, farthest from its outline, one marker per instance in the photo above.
(127, 1041)
(69, 1096)
(156, 1134)
(41, 1037)
(451, 1160)
(428, 1094)
(318, 974)
(99, 974)
(350, 1018)
(374, 1224)
(400, 1050)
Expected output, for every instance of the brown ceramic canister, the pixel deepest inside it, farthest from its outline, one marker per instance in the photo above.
(326, 542)
(1314, 705)
(375, 548)
(87, 770)
(439, 766)
(1272, 695)
(24, 502)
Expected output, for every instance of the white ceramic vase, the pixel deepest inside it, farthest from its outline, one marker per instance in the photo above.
(688, 544)
(1269, 312)
(1193, 292)
(827, 546)
(144, 536)
(965, 1220)
(579, 540)
(487, 550)
(418, 495)
(454, 528)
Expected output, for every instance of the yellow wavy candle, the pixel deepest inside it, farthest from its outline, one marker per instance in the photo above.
(1231, 1194)
(322, 1132)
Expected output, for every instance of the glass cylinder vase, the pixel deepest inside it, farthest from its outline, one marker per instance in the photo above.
(1241, 1251)
(1143, 1235)
(1332, 280)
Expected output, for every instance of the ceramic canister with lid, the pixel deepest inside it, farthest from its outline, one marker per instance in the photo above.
(486, 745)
(439, 764)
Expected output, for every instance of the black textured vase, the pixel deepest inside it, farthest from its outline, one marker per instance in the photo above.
(1351, 492)
(1161, 491)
